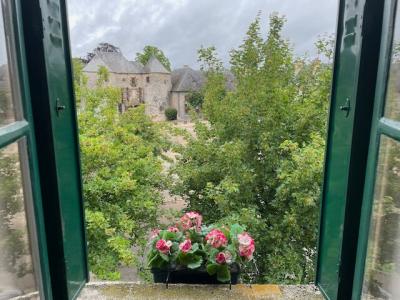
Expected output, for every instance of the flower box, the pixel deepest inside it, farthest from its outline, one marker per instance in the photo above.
(189, 276)
(192, 252)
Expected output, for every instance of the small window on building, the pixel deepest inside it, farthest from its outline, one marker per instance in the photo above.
(148, 79)
(124, 79)
(133, 81)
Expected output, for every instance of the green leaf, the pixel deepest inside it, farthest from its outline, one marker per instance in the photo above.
(164, 257)
(235, 230)
(196, 262)
(152, 259)
(212, 269)
(223, 273)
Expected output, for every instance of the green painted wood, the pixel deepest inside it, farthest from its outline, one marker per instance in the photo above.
(389, 127)
(49, 64)
(14, 131)
(24, 129)
(347, 144)
(380, 126)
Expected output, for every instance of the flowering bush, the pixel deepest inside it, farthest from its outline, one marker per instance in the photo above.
(191, 244)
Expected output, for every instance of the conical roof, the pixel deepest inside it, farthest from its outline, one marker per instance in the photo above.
(155, 66)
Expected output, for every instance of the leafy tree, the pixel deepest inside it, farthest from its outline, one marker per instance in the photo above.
(195, 99)
(121, 180)
(148, 52)
(102, 75)
(79, 77)
(259, 160)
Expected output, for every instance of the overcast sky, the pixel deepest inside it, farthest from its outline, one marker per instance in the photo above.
(180, 27)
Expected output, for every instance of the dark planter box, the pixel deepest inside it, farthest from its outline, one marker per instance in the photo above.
(198, 276)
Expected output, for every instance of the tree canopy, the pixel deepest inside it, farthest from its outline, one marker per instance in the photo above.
(149, 51)
(259, 159)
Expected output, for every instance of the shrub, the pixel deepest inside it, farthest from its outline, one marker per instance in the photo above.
(171, 113)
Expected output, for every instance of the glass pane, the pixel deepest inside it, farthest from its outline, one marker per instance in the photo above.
(17, 276)
(392, 107)
(382, 270)
(8, 113)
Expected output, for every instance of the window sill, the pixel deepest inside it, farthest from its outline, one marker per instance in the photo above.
(130, 290)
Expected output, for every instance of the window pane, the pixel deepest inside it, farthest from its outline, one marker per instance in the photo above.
(382, 271)
(8, 112)
(392, 108)
(17, 276)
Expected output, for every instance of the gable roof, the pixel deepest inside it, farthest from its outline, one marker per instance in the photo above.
(155, 66)
(114, 61)
(186, 79)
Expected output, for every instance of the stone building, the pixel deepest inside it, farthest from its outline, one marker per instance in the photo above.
(184, 81)
(151, 84)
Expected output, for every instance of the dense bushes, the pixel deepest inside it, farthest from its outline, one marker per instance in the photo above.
(171, 113)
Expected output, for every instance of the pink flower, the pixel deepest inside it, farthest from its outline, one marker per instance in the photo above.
(185, 246)
(246, 245)
(154, 233)
(216, 238)
(163, 246)
(191, 220)
(220, 258)
(173, 229)
(228, 257)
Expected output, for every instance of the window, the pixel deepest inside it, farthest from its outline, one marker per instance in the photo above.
(378, 255)
(23, 268)
(133, 82)
(41, 177)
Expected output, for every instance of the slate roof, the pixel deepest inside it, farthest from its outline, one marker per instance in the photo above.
(115, 62)
(186, 79)
(155, 66)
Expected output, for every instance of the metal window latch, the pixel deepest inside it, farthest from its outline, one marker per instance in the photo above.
(346, 107)
(59, 106)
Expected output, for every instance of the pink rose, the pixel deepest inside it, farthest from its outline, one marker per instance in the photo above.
(185, 246)
(191, 220)
(216, 238)
(220, 258)
(173, 229)
(154, 233)
(163, 246)
(246, 245)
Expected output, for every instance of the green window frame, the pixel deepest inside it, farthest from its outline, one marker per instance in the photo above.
(382, 128)
(23, 129)
(39, 47)
(49, 68)
(49, 126)
(353, 87)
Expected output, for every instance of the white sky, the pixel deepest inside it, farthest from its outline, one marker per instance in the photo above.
(180, 27)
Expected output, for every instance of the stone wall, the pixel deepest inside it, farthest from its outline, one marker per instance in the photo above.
(157, 87)
(152, 89)
(178, 101)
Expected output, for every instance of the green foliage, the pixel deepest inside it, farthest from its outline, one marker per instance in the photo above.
(102, 76)
(148, 52)
(171, 113)
(259, 160)
(121, 179)
(195, 99)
